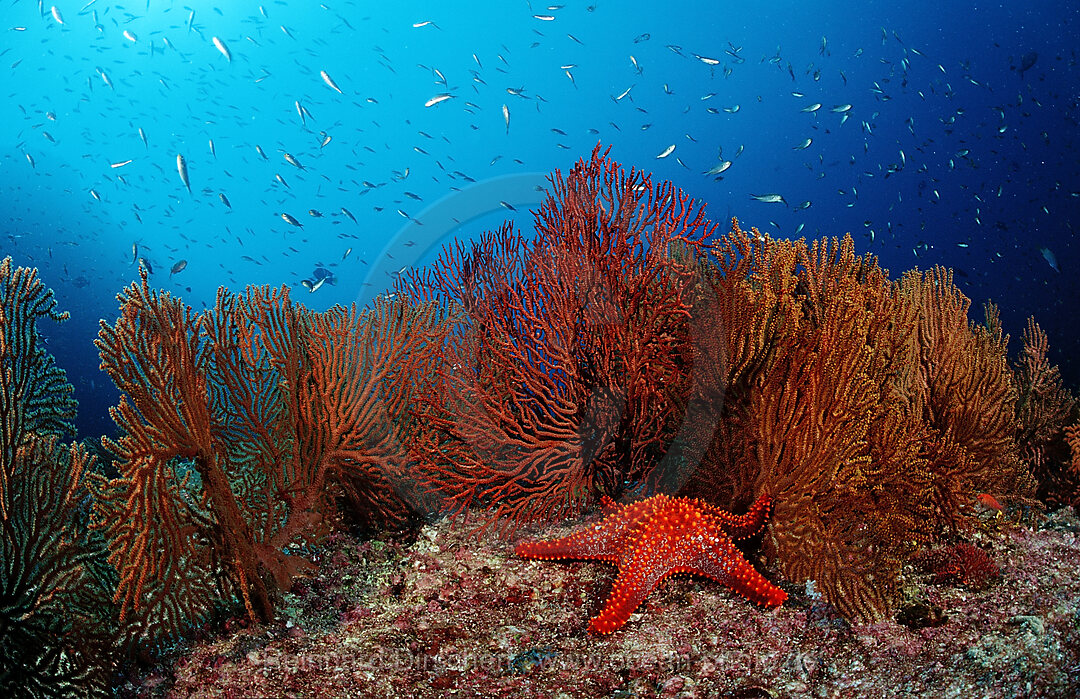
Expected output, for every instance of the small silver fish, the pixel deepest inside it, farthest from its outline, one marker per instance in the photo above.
(292, 161)
(720, 167)
(1051, 260)
(181, 167)
(221, 47)
(329, 81)
(291, 221)
(769, 198)
(441, 97)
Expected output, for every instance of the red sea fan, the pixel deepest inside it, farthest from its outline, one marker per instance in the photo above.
(567, 379)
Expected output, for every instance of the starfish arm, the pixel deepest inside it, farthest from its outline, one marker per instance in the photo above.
(743, 526)
(638, 576)
(601, 542)
(721, 561)
(573, 547)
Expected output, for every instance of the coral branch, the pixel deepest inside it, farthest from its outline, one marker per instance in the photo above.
(567, 381)
(874, 412)
(53, 610)
(239, 428)
(35, 397)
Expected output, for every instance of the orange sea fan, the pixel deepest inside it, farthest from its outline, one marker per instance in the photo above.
(239, 428)
(815, 338)
(871, 411)
(965, 394)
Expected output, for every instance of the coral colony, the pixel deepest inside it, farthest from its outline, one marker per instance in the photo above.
(627, 356)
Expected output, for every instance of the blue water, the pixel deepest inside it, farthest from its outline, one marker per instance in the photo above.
(990, 158)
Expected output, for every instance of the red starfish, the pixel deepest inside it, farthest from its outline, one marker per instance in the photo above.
(661, 536)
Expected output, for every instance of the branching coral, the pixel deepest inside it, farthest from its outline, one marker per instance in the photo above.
(35, 397)
(240, 426)
(813, 415)
(965, 395)
(872, 411)
(625, 349)
(1072, 434)
(567, 375)
(54, 616)
(1043, 409)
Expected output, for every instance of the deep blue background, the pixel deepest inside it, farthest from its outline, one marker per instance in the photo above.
(991, 157)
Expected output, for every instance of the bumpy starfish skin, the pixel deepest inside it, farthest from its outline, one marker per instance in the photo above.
(652, 539)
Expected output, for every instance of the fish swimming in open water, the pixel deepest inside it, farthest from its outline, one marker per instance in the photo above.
(222, 47)
(181, 167)
(330, 82)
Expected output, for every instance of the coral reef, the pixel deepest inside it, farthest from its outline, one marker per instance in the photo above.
(442, 613)
(55, 635)
(240, 429)
(625, 351)
(570, 365)
(629, 350)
